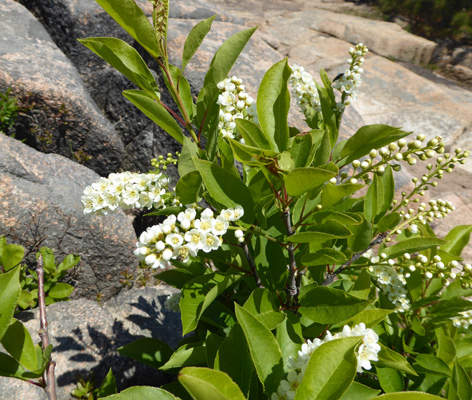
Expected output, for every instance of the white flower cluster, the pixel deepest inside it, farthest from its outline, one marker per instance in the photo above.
(172, 302)
(351, 79)
(367, 352)
(391, 282)
(463, 320)
(125, 190)
(305, 91)
(234, 103)
(183, 236)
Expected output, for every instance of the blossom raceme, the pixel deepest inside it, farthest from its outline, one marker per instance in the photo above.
(125, 190)
(366, 353)
(183, 236)
(304, 90)
(234, 103)
(351, 79)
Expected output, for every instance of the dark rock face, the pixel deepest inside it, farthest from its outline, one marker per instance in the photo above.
(86, 335)
(59, 116)
(69, 20)
(40, 198)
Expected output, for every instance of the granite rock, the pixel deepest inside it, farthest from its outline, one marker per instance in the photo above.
(85, 336)
(57, 115)
(40, 201)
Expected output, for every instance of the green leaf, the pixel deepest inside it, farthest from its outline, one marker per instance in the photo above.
(390, 379)
(446, 348)
(189, 150)
(208, 384)
(271, 264)
(48, 259)
(388, 188)
(329, 116)
(156, 112)
(11, 368)
(10, 290)
(69, 262)
(142, 393)
(322, 233)
(264, 306)
(227, 157)
(184, 356)
(220, 67)
(408, 396)
(188, 188)
(370, 317)
(362, 286)
(461, 382)
(199, 293)
(17, 341)
(330, 371)
(254, 136)
(367, 138)
(301, 150)
(429, 363)
(391, 359)
(108, 386)
(332, 194)
(323, 152)
(195, 39)
(225, 188)
(133, 20)
(325, 305)
(290, 337)
(361, 236)
(177, 277)
(374, 200)
(264, 349)
(60, 290)
(388, 222)
(212, 344)
(412, 246)
(233, 358)
(11, 256)
(273, 103)
(458, 237)
(301, 180)
(149, 351)
(324, 256)
(125, 59)
(251, 155)
(358, 391)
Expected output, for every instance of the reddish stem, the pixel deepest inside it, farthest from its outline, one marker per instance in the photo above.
(49, 378)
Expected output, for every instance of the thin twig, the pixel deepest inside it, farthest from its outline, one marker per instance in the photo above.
(292, 290)
(174, 114)
(252, 265)
(50, 379)
(330, 278)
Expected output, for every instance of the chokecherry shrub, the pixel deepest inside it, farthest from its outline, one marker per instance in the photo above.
(303, 271)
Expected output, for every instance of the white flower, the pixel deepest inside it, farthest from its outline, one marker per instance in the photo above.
(175, 240)
(211, 243)
(220, 226)
(195, 238)
(172, 302)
